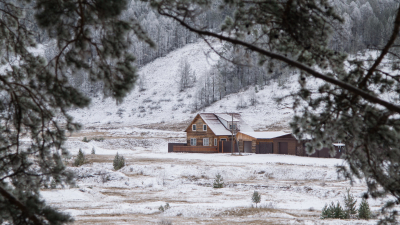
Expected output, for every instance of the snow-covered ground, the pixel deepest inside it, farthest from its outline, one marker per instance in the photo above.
(293, 189)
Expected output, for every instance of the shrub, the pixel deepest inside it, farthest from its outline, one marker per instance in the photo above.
(80, 158)
(93, 151)
(349, 205)
(333, 211)
(53, 184)
(364, 212)
(85, 139)
(164, 208)
(256, 198)
(118, 162)
(218, 181)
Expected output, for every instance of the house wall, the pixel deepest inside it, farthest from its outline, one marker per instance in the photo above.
(199, 134)
(243, 137)
(292, 144)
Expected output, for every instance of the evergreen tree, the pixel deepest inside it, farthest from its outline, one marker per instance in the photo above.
(218, 181)
(256, 198)
(327, 212)
(80, 158)
(350, 205)
(91, 38)
(338, 212)
(93, 151)
(118, 162)
(363, 211)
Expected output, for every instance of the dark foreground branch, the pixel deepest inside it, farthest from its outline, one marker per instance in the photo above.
(21, 206)
(293, 63)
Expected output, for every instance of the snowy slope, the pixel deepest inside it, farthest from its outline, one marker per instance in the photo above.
(162, 102)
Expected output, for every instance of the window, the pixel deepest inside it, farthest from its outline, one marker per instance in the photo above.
(204, 127)
(193, 141)
(206, 142)
(230, 126)
(223, 139)
(215, 141)
(194, 127)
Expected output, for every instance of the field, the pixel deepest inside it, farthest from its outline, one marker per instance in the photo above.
(293, 189)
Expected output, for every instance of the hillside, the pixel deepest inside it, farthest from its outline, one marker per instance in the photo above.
(162, 103)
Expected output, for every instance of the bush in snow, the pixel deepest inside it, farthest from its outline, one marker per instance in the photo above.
(363, 211)
(80, 158)
(164, 208)
(93, 151)
(85, 139)
(218, 181)
(118, 162)
(256, 198)
(349, 205)
(333, 211)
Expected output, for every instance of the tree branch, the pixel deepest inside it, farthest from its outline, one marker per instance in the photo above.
(293, 63)
(384, 51)
(21, 206)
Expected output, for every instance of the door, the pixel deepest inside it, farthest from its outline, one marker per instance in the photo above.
(247, 146)
(283, 148)
(265, 148)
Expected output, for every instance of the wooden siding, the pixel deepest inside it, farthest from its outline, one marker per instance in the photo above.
(199, 133)
(195, 149)
(292, 145)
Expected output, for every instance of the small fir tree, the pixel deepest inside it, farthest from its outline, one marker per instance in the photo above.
(350, 205)
(333, 211)
(256, 198)
(85, 139)
(118, 162)
(93, 151)
(338, 212)
(327, 212)
(363, 211)
(80, 158)
(218, 181)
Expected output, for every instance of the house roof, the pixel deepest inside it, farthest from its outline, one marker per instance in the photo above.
(265, 135)
(211, 119)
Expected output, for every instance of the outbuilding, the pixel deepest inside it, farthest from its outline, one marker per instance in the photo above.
(267, 142)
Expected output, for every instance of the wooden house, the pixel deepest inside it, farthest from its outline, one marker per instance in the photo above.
(267, 142)
(208, 132)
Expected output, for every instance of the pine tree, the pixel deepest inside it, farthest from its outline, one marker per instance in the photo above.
(350, 205)
(80, 158)
(256, 198)
(118, 162)
(363, 211)
(37, 92)
(218, 181)
(327, 212)
(93, 151)
(338, 212)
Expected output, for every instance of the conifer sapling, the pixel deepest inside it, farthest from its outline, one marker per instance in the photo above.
(256, 198)
(363, 211)
(80, 158)
(218, 181)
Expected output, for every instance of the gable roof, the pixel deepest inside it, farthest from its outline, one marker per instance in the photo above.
(214, 123)
(265, 135)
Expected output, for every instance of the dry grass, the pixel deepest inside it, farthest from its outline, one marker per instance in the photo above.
(247, 211)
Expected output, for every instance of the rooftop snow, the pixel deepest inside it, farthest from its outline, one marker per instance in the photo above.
(265, 135)
(218, 128)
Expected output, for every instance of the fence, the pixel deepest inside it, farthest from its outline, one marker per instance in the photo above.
(195, 149)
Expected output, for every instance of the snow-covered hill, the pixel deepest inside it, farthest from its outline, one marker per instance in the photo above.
(162, 102)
